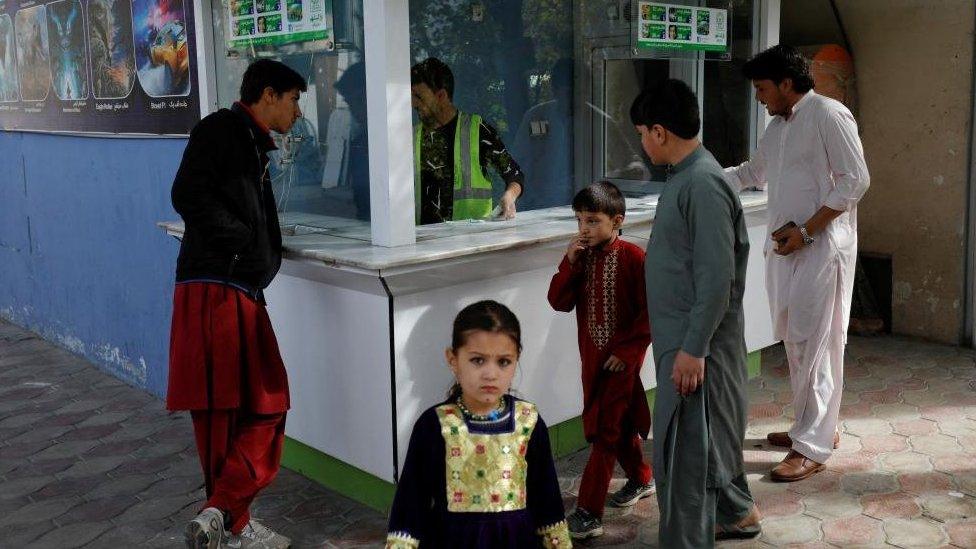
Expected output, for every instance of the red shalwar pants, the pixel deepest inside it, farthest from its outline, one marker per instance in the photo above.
(226, 368)
(240, 454)
(604, 453)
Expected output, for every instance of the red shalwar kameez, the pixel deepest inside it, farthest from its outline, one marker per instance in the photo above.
(606, 287)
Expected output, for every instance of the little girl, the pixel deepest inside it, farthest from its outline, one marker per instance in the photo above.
(479, 471)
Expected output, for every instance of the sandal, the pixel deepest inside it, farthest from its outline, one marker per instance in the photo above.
(734, 531)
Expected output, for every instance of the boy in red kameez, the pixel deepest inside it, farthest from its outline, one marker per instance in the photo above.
(224, 361)
(602, 277)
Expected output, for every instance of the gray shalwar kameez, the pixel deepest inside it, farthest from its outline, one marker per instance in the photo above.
(695, 274)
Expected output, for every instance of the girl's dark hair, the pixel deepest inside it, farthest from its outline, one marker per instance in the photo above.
(483, 316)
(267, 72)
(672, 104)
(779, 63)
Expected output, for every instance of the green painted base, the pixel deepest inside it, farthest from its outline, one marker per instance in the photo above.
(566, 438)
(338, 475)
(754, 363)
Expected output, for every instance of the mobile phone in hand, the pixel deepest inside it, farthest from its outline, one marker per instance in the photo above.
(778, 235)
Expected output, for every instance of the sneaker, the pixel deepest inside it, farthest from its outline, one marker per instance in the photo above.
(584, 525)
(206, 529)
(631, 493)
(256, 536)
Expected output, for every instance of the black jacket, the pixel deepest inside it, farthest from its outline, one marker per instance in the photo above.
(223, 192)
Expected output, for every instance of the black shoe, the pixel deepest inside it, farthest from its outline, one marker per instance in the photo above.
(583, 525)
(631, 493)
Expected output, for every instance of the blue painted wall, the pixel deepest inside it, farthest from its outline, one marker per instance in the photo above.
(81, 260)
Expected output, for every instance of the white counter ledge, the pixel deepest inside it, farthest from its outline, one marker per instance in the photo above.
(360, 323)
(346, 243)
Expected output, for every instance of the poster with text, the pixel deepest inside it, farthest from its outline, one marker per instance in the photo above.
(273, 22)
(682, 27)
(98, 66)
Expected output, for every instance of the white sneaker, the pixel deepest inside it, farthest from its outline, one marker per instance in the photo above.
(256, 536)
(206, 530)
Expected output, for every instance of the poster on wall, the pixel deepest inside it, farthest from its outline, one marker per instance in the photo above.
(276, 22)
(98, 66)
(682, 27)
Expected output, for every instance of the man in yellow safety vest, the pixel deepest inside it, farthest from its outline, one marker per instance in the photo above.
(452, 151)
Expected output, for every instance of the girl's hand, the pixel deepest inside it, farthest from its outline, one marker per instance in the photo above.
(614, 364)
(576, 246)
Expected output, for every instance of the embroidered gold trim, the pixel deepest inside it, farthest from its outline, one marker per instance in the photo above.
(602, 285)
(486, 472)
(401, 540)
(555, 536)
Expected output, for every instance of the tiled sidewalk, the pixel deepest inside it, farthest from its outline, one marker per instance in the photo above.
(905, 472)
(86, 460)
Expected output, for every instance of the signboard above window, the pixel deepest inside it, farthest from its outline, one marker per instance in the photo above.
(682, 28)
(276, 22)
(98, 66)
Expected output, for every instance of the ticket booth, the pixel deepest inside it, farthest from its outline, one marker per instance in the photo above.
(365, 299)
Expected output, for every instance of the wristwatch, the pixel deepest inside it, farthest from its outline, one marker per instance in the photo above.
(807, 239)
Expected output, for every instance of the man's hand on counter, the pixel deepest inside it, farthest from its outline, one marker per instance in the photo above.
(508, 199)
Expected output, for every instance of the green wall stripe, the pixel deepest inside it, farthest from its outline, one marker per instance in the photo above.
(754, 363)
(338, 475)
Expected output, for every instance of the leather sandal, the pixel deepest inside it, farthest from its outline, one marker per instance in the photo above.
(747, 528)
(795, 466)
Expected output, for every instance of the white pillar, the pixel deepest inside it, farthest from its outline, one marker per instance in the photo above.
(391, 196)
(204, 35)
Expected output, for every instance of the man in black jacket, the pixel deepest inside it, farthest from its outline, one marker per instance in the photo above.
(225, 366)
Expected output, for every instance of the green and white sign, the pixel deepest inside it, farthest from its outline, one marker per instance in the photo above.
(273, 22)
(682, 27)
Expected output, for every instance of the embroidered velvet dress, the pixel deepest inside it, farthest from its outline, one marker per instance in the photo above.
(474, 484)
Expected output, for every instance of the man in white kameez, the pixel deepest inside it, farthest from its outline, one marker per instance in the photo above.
(811, 160)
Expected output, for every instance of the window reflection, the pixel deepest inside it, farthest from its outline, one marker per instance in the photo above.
(320, 173)
(512, 64)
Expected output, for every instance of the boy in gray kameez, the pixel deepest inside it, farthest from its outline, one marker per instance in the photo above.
(695, 277)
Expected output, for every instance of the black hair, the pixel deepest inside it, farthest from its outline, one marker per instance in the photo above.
(483, 316)
(672, 105)
(600, 197)
(353, 79)
(779, 63)
(265, 73)
(435, 74)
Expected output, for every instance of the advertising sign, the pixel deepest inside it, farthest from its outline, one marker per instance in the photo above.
(104, 66)
(275, 22)
(682, 27)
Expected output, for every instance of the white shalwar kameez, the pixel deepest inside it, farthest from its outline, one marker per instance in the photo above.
(811, 160)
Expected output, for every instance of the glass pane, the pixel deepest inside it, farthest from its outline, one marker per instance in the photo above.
(513, 64)
(728, 95)
(320, 173)
(624, 79)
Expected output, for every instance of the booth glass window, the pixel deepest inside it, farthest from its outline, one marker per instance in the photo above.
(622, 157)
(728, 103)
(320, 172)
(513, 64)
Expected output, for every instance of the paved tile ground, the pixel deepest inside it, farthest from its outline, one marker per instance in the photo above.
(87, 461)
